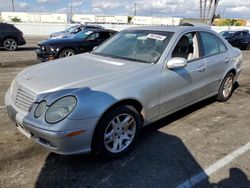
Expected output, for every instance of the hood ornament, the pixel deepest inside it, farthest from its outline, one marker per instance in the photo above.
(28, 76)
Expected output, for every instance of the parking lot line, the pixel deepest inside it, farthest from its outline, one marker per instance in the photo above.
(214, 167)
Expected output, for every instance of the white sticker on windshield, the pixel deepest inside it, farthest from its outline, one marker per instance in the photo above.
(156, 36)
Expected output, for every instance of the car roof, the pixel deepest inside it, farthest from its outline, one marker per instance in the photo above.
(5, 24)
(244, 30)
(168, 28)
(100, 29)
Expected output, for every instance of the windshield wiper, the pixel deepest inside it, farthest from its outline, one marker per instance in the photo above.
(120, 57)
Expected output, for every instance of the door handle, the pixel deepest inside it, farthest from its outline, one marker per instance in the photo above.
(202, 68)
(227, 60)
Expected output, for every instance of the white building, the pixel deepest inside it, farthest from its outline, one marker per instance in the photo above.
(146, 20)
(34, 17)
(248, 23)
(83, 18)
(88, 18)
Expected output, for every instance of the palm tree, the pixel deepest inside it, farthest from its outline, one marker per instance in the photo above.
(204, 10)
(209, 11)
(201, 10)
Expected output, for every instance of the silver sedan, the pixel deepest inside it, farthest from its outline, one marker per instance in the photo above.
(100, 101)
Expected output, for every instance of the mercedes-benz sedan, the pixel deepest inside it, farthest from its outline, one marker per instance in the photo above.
(100, 101)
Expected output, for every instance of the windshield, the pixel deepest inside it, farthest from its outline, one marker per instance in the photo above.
(136, 45)
(70, 29)
(227, 34)
(82, 34)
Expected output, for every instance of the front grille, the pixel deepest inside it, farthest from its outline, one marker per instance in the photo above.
(24, 100)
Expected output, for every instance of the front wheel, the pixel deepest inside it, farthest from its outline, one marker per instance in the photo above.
(117, 132)
(66, 53)
(226, 88)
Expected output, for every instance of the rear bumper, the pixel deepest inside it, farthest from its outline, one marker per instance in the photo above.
(21, 41)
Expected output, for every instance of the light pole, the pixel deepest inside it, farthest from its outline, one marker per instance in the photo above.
(13, 6)
(135, 9)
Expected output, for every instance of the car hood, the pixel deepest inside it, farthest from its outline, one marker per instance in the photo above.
(51, 42)
(84, 70)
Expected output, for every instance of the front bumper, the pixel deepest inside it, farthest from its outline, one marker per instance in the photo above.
(56, 141)
(43, 56)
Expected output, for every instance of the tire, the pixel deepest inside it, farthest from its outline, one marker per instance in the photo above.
(66, 53)
(111, 139)
(10, 44)
(226, 88)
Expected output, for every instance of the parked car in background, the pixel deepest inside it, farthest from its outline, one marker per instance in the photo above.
(81, 42)
(72, 30)
(10, 37)
(239, 39)
(100, 101)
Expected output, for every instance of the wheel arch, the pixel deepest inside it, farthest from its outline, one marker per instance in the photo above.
(125, 102)
(9, 37)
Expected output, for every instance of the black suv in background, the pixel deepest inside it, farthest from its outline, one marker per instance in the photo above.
(239, 39)
(10, 37)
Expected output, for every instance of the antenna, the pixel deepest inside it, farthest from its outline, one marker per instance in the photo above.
(135, 9)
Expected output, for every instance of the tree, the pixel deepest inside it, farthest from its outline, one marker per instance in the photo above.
(129, 19)
(207, 14)
(15, 19)
(231, 22)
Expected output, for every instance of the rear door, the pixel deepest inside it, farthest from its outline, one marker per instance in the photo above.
(217, 58)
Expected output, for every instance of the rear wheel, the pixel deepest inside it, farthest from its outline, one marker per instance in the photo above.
(66, 53)
(226, 88)
(117, 132)
(10, 44)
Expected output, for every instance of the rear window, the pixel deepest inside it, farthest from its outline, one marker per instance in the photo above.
(3, 27)
(105, 35)
(7, 28)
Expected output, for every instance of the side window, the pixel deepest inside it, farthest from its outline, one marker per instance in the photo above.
(94, 36)
(104, 35)
(187, 47)
(4, 28)
(212, 45)
(245, 35)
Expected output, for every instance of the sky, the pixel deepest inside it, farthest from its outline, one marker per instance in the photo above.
(175, 8)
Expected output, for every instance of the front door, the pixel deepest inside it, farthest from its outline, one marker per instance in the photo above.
(180, 87)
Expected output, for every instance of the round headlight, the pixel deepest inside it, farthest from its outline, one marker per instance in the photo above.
(40, 109)
(60, 109)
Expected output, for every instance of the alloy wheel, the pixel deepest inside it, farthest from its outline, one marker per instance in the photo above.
(10, 44)
(67, 53)
(119, 133)
(228, 86)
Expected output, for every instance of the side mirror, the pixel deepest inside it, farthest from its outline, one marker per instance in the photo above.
(94, 48)
(176, 63)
